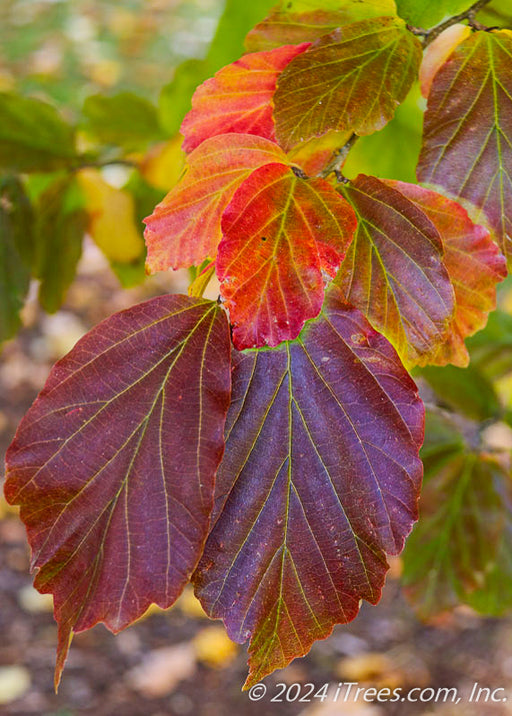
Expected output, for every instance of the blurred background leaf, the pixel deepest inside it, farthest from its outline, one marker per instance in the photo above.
(33, 137)
(426, 13)
(464, 536)
(60, 227)
(16, 247)
(124, 119)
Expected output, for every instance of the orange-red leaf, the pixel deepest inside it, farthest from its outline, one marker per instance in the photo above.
(238, 98)
(467, 140)
(184, 228)
(350, 80)
(473, 262)
(394, 270)
(280, 231)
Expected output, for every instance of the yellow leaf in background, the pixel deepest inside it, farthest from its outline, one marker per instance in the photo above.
(112, 218)
(213, 647)
(190, 604)
(164, 164)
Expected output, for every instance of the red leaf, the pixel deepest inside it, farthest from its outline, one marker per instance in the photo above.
(350, 80)
(280, 231)
(238, 98)
(184, 228)
(319, 480)
(114, 464)
(394, 270)
(467, 136)
(473, 262)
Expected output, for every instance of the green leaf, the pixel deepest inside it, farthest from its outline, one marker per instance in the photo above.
(373, 154)
(491, 349)
(427, 13)
(463, 533)
(494, 597)
(350, 80)
(124, 119)
(60, 226)
(16, 231)
(175, 97)
(466, 390)
(33, 137)
(226, 47)
(496, 14)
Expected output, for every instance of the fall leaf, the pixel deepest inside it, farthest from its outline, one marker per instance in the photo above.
(238, 98)
(185, 228)
(114, 464)
(473, 262)
(320, 479)
(279, 232)
(394, 271)
(296, 22)
(467, 142)
(350, 80)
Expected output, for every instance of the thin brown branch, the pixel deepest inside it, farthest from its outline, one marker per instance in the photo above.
(339, 157)
(469, 15)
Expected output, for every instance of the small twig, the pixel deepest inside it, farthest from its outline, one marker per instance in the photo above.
(299, 172)
(430, 35)
(339, 156)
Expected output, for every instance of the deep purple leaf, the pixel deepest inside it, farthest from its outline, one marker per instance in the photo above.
(319, 480)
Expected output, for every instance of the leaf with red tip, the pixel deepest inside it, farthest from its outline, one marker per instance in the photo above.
(474, 263)
(320, 479)
(350, 80)
(467, 136)
(238, 98)
(184, 228)
(114, 463)
(279, 232)
(394, 270)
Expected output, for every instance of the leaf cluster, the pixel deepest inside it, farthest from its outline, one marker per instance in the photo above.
(266, 446)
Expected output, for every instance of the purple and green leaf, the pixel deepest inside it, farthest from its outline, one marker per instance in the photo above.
(319, 481)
